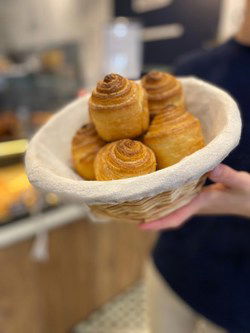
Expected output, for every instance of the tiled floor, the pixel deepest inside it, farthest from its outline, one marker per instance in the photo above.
(125, 314)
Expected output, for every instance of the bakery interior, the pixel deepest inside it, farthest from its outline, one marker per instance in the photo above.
(59, 271)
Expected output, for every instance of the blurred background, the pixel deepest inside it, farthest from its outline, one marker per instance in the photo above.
(59, 272)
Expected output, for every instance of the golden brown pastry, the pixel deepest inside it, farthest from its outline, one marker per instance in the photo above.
(173, 134)
(162, 89)
(9, 126)
(85, 145)
(40, 118)
(118, 108)
(124, 159)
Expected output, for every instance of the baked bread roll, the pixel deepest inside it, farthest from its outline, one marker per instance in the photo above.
(118, 108)
(124, 159)
(162, 89)
(9, 126)
(85, 145)
(173, 134)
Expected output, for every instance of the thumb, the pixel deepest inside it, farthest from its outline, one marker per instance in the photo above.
(230, 177)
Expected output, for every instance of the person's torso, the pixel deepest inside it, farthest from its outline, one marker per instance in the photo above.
(207, 261)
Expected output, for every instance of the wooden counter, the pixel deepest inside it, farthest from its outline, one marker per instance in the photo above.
(88, 265)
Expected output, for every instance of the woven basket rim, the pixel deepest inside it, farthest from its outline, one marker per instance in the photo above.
(106, 191)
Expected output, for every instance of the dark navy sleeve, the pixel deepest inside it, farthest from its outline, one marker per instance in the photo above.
(192, 64)
(228, 67)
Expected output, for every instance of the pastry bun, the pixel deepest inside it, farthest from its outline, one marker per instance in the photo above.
(123, 159)
(119, 108)
(85, 145)
(163, 89)
(173, 134)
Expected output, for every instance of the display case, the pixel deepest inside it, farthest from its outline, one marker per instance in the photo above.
(33, 85)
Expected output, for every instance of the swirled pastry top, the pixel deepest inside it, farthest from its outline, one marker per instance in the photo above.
(161, 85)
(124, 159)
(174, 134)
(113, 92)
(172, 120)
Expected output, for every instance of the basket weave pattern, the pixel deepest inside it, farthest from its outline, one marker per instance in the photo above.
(150, 208)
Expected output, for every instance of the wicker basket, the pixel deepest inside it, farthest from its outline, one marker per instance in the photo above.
(141, 198)
(150, 208)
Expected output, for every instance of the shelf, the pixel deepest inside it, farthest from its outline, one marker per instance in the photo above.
(13, 148)
(29, 227)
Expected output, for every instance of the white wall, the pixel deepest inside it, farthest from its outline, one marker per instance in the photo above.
(97, 13)
(230, 18)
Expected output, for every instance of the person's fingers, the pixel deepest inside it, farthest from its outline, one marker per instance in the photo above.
(206, 198)
(210, 201)
(230, 177)
(176, 218)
